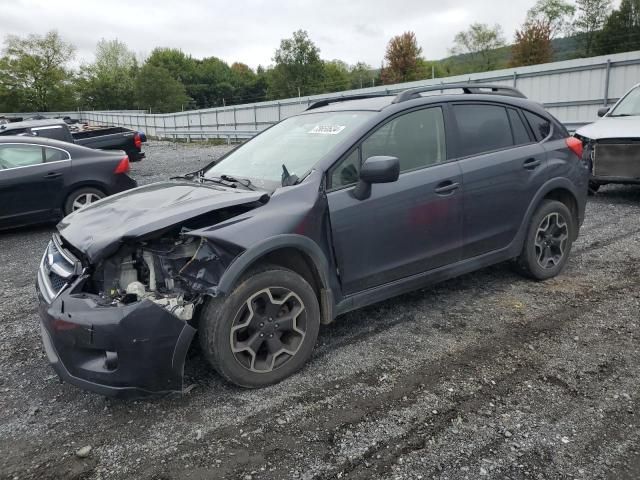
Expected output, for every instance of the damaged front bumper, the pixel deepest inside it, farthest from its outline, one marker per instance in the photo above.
(615, 161)
(114, 350)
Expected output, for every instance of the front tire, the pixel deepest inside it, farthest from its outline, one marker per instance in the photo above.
(548, 243)
(264, 331)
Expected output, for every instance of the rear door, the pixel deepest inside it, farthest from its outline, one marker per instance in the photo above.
(31, 182)
(404, 228)
(503, 166)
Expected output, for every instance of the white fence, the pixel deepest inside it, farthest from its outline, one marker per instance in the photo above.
(572, 90)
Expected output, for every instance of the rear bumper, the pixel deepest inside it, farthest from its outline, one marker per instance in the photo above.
(136, 156)
(121, 183)
(122, 351)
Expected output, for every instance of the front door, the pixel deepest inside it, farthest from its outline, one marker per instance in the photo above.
(404, 228)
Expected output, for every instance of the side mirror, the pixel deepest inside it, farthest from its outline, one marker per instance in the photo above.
(603, 111)
(376, 170)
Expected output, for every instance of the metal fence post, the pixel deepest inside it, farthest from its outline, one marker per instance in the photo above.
(255, 117)
(235, 123)
(200, 124)
(279, 111)
(607, 79)
(515, 79)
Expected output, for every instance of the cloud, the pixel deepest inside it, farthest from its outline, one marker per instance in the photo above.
(250, 30)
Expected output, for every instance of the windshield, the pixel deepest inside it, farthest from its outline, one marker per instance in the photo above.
(629, 105)
(297, 143)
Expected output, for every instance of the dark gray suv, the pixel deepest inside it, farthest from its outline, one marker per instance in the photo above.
(347, 204)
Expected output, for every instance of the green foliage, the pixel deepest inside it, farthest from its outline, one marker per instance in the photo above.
(592, 15)
(109, 82)
(336, 76)
(362, 75)
(34, 71)
(480, 41)
(298, 68)
(157, 90)
(621, 31)
(553, 14)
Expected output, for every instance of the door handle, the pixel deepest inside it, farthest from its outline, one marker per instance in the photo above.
(447, 187)
(532, 163)
(52, 175)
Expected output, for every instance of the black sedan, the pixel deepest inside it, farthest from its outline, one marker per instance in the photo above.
(42, 180)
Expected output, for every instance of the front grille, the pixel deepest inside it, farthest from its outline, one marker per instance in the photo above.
(621, 160)
(57, 282)
(58, 268)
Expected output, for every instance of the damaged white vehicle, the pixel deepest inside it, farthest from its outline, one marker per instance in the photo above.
(612, 144)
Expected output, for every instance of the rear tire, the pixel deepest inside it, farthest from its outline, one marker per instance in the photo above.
(81, 198)
(264, 331)
(548, 242)
(593, 188)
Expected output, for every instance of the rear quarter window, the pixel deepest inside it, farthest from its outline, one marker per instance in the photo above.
(541, 126)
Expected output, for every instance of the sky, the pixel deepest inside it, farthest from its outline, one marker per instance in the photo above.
(249, 31)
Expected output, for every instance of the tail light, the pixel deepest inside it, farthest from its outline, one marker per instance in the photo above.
(123, 166)
(575, 145)
(137, 141)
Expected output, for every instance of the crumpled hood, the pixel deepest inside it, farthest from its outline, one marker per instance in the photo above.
(98, 230)
(612, 127)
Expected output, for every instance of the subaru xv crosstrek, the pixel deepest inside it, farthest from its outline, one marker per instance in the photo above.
(349, 203)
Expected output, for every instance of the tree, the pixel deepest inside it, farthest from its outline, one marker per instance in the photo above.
(591, 17)
(553, 14)
(336, 76)
(480, 41)
(532, 45)
(362, 75)
(621, 31)
(298, 68)
(402, 57)
(109, 82)
(157, 90)
(34, 69)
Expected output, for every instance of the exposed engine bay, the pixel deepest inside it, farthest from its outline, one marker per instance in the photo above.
(149, 272)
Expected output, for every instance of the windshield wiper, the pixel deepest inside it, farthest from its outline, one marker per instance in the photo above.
(245, 182)
(187, 176)
(623, 115)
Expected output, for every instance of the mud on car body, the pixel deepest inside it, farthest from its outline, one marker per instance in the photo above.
(344, 205)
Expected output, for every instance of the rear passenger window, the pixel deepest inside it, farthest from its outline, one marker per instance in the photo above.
(482, 128)
(520, 132)
(541, 126)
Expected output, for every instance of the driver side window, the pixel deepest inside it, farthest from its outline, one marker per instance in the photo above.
(416, 138)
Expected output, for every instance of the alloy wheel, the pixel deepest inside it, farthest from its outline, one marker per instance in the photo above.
(85, 199)
(268, 329)
(551, 241)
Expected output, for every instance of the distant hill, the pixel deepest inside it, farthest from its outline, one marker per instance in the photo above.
(563, 49)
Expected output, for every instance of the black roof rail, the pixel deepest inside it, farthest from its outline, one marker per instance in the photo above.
(467, 88)
(346, 98)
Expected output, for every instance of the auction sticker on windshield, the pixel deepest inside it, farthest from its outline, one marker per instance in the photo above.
(327, 129)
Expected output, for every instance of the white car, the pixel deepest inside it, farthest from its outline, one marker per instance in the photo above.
(612, 144)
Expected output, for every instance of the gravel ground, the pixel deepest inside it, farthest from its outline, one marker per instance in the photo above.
(485, 376)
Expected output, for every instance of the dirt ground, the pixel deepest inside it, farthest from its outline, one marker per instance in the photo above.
(486, 376)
